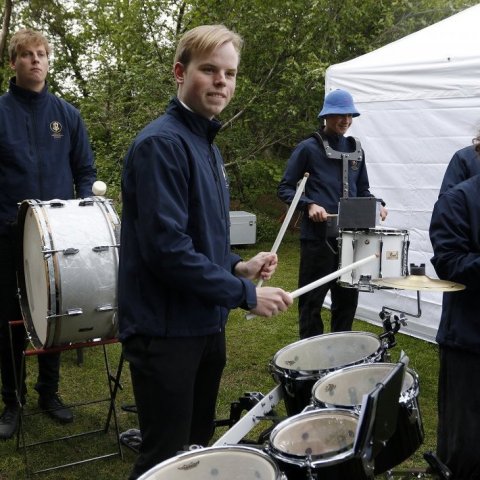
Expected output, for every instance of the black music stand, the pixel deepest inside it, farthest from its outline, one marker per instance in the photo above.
(113, 386)
(378, 418)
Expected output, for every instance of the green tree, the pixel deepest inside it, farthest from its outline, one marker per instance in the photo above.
(113, 60)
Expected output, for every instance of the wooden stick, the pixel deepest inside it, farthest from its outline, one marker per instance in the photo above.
(326, 279)
(331, 276)
(287, 218)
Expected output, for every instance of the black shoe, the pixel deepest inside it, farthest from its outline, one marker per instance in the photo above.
(9, 421)
(55, 408)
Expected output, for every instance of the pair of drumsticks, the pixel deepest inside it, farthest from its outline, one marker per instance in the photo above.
(278, 241)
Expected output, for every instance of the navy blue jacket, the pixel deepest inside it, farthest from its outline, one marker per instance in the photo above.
(325, 183)
(455, 236)
(44, 151)
(464, 164)
(175, 273)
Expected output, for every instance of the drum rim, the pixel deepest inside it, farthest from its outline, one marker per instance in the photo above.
(397, 231)
(405, 396)
(308, 374)
(317, 460)
(201, 450)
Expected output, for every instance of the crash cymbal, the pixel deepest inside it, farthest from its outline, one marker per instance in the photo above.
(418, 282)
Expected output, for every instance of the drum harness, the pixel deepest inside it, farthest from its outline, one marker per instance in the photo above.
(355, 156)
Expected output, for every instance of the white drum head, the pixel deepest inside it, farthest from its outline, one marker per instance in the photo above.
(216, 463)
(346, 387)
(319, 434)
(331, 350)
(36, 275)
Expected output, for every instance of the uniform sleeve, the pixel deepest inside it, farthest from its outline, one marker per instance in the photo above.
(81, 159)
(296, 167)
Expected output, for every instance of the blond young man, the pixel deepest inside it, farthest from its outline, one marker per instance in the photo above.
(177, 277)
(44, 154)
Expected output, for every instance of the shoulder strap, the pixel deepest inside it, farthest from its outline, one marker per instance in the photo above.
(356, 154)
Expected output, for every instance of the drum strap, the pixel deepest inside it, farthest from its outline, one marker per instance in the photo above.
(346, 157)
(357, 154)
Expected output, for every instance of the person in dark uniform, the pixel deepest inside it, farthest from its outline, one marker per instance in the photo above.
(455, 237)
(44, 154)
(178, 278)
(318, 246)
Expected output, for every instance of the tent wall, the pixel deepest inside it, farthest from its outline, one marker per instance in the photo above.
(419, 100)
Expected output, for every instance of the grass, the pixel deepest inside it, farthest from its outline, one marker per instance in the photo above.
(252, 345)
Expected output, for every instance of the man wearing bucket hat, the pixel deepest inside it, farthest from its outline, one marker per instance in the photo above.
(318, 243)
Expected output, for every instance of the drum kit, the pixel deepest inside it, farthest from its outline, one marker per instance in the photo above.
(351, 414)
(327, 383)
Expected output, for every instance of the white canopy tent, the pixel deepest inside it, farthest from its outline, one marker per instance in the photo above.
(419, 99)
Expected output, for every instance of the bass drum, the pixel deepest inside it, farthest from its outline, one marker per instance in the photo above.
(345, 389)
(299, 365)
(68, 270)
(217, 463)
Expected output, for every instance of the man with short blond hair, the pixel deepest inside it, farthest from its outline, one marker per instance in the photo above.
(178, 278)
(44, 154)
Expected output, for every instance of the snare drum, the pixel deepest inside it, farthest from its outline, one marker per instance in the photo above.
(68, 270)
(217, 463)
(390, 246)
(317, 442)
(299, 365)
(345, 389)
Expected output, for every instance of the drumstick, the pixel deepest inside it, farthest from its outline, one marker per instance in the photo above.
(287, 218)
(326, 279)
(331, 276)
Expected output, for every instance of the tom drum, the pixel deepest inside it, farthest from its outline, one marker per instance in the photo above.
(345, 389)
(299, 365)
(217, 463)
(318, 442)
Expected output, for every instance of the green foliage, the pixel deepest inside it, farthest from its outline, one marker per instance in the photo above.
(113, 59)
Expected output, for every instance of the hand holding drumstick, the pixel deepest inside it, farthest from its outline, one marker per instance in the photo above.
(270, 300)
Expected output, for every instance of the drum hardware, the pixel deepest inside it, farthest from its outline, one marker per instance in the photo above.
(245, 402)
(260, 411)
(391, 325)
(105, 308)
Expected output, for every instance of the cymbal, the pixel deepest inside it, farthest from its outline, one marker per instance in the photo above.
(418, 282)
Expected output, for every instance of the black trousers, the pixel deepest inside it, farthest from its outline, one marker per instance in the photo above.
(175, 384)
(318, 259)
(459, 412)
(49, 364)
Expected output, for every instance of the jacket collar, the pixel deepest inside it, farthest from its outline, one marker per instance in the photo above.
(27, 95)
(196, 123)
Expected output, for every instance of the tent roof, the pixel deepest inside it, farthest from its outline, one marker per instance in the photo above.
(425, 64)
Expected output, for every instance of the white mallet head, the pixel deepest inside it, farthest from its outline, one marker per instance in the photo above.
(99, 188)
